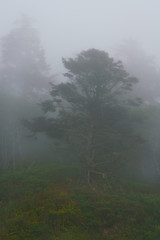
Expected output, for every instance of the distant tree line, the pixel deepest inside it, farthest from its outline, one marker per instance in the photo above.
(98, 118)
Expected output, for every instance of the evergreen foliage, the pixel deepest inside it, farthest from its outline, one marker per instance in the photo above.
(24, 70)
(90, 113)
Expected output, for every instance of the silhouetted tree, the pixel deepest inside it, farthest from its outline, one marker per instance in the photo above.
(24, 75)
(24, 69)
(89, 114)
(143, 66)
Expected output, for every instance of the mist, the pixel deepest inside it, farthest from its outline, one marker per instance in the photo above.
(67, 27)
(79, 119)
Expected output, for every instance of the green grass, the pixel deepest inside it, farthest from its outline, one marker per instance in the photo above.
(45, 202)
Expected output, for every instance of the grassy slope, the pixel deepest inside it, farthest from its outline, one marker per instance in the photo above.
(45, 203)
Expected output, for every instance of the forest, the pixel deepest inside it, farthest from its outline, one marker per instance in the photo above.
(79, 154)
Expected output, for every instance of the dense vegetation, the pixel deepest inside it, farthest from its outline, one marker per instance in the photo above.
(46, 202)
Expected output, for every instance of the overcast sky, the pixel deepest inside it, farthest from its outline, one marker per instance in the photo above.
(68, 26)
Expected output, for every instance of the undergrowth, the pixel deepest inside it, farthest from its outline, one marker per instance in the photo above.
(45, 202)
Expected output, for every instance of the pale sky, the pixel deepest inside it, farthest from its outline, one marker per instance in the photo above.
(67, 27)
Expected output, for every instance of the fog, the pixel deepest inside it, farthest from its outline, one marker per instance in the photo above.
(127, 30)
(79, 119)
(67, 27)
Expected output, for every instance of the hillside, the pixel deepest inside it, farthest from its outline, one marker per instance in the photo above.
(46, 202)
